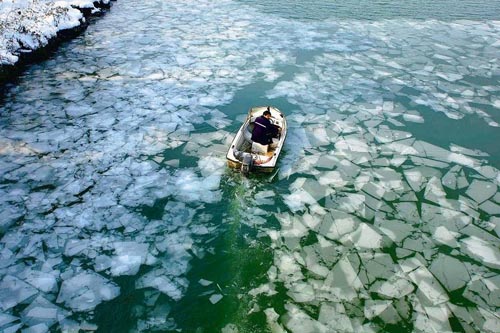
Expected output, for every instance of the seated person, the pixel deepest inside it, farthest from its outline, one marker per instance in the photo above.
(263, 131)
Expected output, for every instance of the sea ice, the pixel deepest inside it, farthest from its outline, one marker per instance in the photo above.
(215, 298)
(297, 321)
(342, 283)
(396, 230)
(446, 237)
(486, 253)
(337, 224)
(129, 257)
(364, 237)
(272, 321)
(6, 319)
(173, 287)
(397, 286)
(86, 290)
(14, 291)
(481, 191)
(451, 272)
(484, 291)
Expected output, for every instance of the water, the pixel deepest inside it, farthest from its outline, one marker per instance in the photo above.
(118, 213)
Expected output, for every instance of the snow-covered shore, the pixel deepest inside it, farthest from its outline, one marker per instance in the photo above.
(30, 26)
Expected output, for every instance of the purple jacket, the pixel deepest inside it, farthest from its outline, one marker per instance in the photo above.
(263, 131)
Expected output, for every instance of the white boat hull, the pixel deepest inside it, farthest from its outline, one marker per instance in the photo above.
(263, 161)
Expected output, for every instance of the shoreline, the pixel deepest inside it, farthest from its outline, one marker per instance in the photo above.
(21, 45)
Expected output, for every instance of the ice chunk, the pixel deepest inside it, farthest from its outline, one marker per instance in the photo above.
(297, 200)
(408, 212)
(413, 117)
(204, 282)
(429, 289)
(86, 290)
(484, 291)
(76, 246)
(488, 254)
(173, 287)
(490, 207)
(481, 191)
(352, 203)
(289, 269)
(43, 311)
(396, 287)
(301, 292)
(272, 321)
(45, 282)
(351, 143)
(416, 177)
(332, 178)
(14, 291)
(450, 179)
(365, 237)
(451, 272)
(373, 308)
(129, 257)
(6, 319)
(342, 283)
(334, 316)
(434, 192)
(215, 298)
(446, 237)
(297, 321)
(396, 230)
(39, 328)
(492, 322)
(336, 224)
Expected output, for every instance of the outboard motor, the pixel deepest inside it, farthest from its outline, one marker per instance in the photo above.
(246, 160)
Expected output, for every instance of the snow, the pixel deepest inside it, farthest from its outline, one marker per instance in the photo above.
(30, 25)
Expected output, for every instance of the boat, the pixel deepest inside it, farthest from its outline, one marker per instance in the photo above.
(246, 155)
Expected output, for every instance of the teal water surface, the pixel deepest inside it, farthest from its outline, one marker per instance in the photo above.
(118, 213)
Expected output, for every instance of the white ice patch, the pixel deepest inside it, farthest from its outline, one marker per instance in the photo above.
(129, 257)
(14, 291)
(480, 191)
(486, 253)
(364, 237)
(86, 290)
(159, 279)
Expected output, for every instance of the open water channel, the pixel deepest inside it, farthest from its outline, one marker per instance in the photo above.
(118, 214)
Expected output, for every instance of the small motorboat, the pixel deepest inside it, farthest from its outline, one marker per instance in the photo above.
(246, 155)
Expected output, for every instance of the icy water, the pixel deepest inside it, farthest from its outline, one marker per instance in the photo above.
(118, 214)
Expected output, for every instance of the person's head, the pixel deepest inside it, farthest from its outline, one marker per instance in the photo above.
(267, 113)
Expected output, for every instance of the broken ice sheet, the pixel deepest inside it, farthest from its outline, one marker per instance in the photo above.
(296, 320)
(171, 286)
(215, 298)
(429, 289)
(342, 282)
(86, 290)
(43, 311)
(481, 191)
(129, 257)
(446, 237)
(487, 253)
(396, 230)
(336, 224)
(397, 286)
(14, 291)
(364, 237)
(451, 272)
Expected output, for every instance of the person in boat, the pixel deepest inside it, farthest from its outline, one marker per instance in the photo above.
(263, 130)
